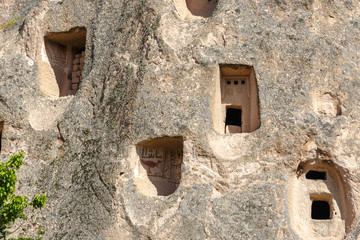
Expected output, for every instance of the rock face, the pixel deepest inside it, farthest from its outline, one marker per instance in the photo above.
(184, 119)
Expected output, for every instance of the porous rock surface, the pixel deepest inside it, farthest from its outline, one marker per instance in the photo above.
(151, 71)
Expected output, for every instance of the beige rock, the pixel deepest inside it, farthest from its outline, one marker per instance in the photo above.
(158, 70)
(43, 115)
(327, 104)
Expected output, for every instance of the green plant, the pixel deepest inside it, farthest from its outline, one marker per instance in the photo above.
(11, 23)
(12, 206)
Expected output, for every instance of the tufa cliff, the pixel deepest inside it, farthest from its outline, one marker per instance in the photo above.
(184, 119)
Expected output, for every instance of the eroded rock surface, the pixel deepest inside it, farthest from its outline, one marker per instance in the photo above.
(151, 70)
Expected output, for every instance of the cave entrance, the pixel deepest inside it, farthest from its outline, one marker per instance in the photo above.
(320, 210)
(233, 120)
(62, 62)
(315, 175)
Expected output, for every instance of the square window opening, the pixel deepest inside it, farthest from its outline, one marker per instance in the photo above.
(320, 210)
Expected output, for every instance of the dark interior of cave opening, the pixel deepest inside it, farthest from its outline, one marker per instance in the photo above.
(320, 210)
(233, 117)
(316, 175)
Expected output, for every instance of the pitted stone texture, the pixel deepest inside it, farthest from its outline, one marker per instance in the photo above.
(151, 71)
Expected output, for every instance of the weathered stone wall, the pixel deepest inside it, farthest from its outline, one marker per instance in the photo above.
(151, 70)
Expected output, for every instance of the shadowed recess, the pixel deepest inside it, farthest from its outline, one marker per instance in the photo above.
(320, 210)
(202, 8)
(66, 54)
(316, 175)
(160, 159)
(239, 103)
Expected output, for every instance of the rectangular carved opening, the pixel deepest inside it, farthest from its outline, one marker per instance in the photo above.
(316, 175)
(320, 210)
(239, 101)
(62, 62)
(233, 120)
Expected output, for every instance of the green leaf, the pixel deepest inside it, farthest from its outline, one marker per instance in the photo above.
(12, 206)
